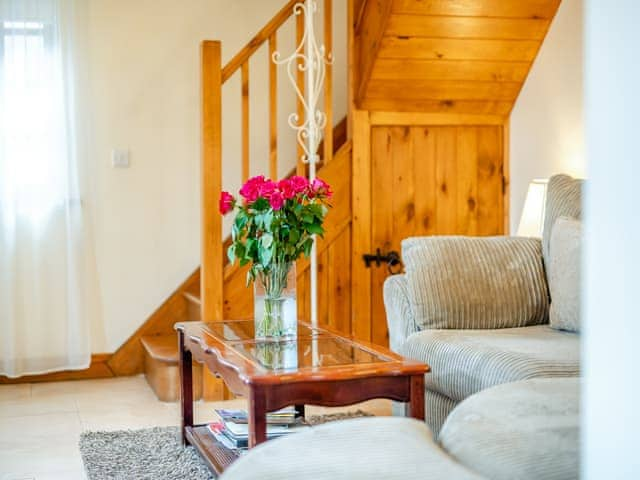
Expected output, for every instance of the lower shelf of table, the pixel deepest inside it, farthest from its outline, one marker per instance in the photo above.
(216, 456)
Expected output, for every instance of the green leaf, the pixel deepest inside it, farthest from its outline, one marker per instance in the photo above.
(231, 253)
(294, 236)
(307, 218)
(315, 229)
(268, 220)
(307, 246)
(266, 254)
(261, 204)
(239, 250)
(316, 210)
(266, 240)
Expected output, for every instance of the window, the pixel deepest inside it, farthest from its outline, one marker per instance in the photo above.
(32, 120)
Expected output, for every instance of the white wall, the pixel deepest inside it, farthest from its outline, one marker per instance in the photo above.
(611, 337)
(145, 87)
(546, 122)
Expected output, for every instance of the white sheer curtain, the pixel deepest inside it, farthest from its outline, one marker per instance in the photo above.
(44, 280)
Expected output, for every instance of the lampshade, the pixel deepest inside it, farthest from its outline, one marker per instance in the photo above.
(533, 211)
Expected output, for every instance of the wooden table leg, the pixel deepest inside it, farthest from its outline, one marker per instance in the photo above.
(300, 410)
(257, 417)
(415, 407)
(186, 386)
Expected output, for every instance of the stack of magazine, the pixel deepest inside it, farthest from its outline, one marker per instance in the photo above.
(233, 429)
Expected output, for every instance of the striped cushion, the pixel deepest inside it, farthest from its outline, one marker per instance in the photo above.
(400, 319)
(437, 407)
(525, 430)
(475, 282)
(464, 362)
(564, 199)
(363, 448)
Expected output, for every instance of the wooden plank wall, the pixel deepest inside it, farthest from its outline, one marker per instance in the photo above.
(419, 174)
(431, 180)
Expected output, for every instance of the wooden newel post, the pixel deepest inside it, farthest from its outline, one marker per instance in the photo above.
(211, 273)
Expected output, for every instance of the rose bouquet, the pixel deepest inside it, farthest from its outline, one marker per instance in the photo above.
(273, 227)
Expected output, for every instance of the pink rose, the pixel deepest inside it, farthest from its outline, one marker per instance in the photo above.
(299, 184)
(251, 189)
(320, 187)
(267, 189)
(286, 188)
(276, 200)
(226, 202)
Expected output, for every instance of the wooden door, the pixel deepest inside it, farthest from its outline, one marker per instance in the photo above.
(431, 180)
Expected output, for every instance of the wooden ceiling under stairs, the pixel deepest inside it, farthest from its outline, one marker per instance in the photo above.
(454, 56)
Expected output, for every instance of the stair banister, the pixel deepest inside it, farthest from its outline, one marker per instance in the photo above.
(213, 77)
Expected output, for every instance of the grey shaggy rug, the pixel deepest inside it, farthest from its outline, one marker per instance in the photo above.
(155, 453)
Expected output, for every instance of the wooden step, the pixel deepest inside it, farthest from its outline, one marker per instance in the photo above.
(161, 368)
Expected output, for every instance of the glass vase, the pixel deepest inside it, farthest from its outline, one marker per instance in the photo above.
(275, 310)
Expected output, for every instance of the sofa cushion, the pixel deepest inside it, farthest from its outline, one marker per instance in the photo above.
(363, 448)
(563, 272)
(564, 199)
(464, 362)
(524, 430)
(475, 282)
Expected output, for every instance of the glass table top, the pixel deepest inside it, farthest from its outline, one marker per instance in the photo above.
(313, 348)
(234, 330)
(306, 352)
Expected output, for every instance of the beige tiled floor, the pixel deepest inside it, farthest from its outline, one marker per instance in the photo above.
(40, 423)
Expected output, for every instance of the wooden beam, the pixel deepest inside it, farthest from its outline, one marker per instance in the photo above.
(368, 40)
(506, 133)
(459, 49)
(361, 226)
(402, 25)
(494, 107)
(301, 168)
(245, 120)
(211, 178)
(273, 109)
(328, 82)
(420, 118)
(479, 8)
(352, 61)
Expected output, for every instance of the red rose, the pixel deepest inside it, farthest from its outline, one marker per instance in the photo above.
(226, 202)
(286, 188)
(276, 200)
(267, 189)
(299, 184)
(320, 187)
(251, 189)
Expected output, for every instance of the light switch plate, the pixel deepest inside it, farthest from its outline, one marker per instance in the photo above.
(120, 158)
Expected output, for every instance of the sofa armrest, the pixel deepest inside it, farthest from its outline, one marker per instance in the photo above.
(474, 282)
(400, 319)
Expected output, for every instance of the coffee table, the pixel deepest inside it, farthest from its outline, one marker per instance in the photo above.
(319, 367)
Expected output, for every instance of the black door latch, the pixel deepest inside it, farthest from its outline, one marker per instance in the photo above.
(391, 259)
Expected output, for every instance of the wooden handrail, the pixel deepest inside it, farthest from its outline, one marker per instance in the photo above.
(262, 36)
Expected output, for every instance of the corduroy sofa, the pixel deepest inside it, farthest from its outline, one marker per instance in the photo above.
(477, 309)
(497, 319)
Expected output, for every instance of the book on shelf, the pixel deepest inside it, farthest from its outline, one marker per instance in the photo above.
(233, 430)
(286, 416)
